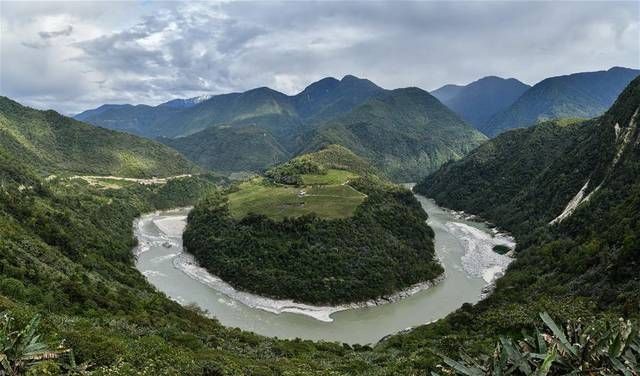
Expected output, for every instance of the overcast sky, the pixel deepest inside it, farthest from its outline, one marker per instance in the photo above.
(75, 56)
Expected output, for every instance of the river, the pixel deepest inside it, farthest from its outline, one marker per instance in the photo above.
(464, 248)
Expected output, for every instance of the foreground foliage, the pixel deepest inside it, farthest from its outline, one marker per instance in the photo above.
(574, 349)
(21, 349)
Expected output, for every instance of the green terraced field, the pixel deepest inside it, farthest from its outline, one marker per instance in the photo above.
(325, 195)
(332, 176)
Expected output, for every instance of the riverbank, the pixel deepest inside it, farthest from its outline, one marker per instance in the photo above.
(160, 259)
(187, 264)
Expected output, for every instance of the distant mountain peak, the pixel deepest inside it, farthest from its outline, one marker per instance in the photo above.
(577, 95)
(326, 80)
(201, 98)
(350, 77)
(619, 68)
(480, 100)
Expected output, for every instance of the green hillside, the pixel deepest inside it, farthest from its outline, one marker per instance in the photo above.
(579, 95)
(54, 144)
(229, 149)
(591, 250)
(503, 178)
(312, 184)
(314, 232)
(406, 133)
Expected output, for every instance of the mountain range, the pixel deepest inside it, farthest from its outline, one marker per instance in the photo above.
(494, 105)
(256, 129)
(259, 128)
(580, 95)
(282, 114)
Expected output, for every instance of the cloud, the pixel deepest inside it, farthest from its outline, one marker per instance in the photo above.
(35, 45)
(71, 56)
(54, 34)
(45, 36)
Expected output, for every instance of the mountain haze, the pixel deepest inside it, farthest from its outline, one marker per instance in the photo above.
(447, 92)
(281, 114)
(139, 119)
(480, 100)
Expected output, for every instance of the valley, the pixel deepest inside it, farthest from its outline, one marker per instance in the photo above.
(463, 247)
(74, 220)
(232, 188)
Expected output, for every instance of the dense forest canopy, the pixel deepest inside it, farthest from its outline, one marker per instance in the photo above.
(320, 257)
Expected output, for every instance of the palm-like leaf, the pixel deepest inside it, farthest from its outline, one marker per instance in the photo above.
(571, 350)
(20, 349)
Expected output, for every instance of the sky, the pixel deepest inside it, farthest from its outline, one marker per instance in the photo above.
(72, 56)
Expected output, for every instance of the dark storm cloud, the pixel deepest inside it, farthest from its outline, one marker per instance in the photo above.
(184, 49)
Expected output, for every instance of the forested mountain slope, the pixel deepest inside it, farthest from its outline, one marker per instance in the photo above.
(52, 143)
(230, 149)
(505, 177)
(405, 133)
(578, 201)
(579, 95)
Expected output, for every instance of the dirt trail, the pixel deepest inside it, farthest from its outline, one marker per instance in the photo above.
(96, 180)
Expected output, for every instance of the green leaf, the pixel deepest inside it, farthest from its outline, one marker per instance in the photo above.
(516, 356)
(558, 333)
(620, 367)
(461, 368)
(547, 363)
